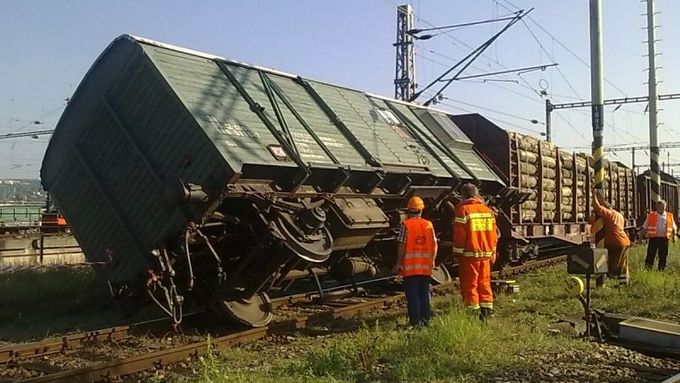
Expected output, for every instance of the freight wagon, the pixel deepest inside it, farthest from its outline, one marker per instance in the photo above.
(669, 193)
(189, 178)
(28, 218)
(195, 178)
(20, 215)
(15, 216)
(559, 183)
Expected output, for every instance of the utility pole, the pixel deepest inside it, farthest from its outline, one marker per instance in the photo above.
(405, 72)
(653, 123)
(596, 90)
(548, 120)
(633, 159)
(597, 110)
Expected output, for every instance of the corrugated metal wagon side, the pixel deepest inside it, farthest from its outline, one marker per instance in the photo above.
(124, 139)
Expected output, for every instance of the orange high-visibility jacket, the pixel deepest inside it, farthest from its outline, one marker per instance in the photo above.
(419, 247)
(474, 229)
(652, 218)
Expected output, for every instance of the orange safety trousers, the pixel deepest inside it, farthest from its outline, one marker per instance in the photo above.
(474, 275)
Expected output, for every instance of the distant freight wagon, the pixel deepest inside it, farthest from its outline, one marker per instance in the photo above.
(20, 216)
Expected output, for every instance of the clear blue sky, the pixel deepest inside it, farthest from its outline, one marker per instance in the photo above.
(47, 46)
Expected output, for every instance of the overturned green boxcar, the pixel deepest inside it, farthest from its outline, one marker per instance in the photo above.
(191, 176)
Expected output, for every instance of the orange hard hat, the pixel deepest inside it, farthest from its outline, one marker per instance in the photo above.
(416, 203)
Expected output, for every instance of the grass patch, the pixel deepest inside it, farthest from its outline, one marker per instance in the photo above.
(42, 303)
(651, 293)
(34, 302)
(22, 289)
(456, 348)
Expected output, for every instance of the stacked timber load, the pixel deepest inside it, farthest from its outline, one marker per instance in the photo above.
(627, 182)
(527, 149)
(567, 165)
(607, 178)
(612, 179)
(549, 161)
(611, 183)
(535, 156)
(583, 170)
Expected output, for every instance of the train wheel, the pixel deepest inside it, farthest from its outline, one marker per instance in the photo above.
(313, 247)
(441, 275)
(255, 311)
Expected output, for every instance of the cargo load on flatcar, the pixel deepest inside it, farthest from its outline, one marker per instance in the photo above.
(559, 184)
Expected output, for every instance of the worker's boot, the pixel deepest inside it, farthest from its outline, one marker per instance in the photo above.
(485, 313)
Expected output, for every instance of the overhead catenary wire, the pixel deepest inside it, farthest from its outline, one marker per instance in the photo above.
(533, 97)
(469, 58)
(465, 47)
(612, 126)
(566, 48)
(524, 84)
(458, 43)
(492, 118)
(571, 126)
(488, 109)
(540, 44)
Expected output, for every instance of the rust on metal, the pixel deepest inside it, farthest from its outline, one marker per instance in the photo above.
(62, 344)
(149, 361)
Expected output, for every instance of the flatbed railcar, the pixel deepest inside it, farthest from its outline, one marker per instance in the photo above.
(555, 216)
(195, 178)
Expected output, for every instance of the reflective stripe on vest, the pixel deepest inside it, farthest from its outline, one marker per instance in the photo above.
(477, 254)
(419, 248)
(652, 220)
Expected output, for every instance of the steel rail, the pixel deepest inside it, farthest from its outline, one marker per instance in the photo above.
(653, 374)
(20, 352)
(158, 359)
(63, 344)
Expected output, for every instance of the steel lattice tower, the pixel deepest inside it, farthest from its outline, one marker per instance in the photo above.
(405, 73)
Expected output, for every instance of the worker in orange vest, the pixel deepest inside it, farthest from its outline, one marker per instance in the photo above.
(474, 244)
(415, 260)
(616, 240)
(659, 227)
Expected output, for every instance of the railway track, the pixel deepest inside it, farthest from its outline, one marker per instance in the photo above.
(650, 374)
(335, 308)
